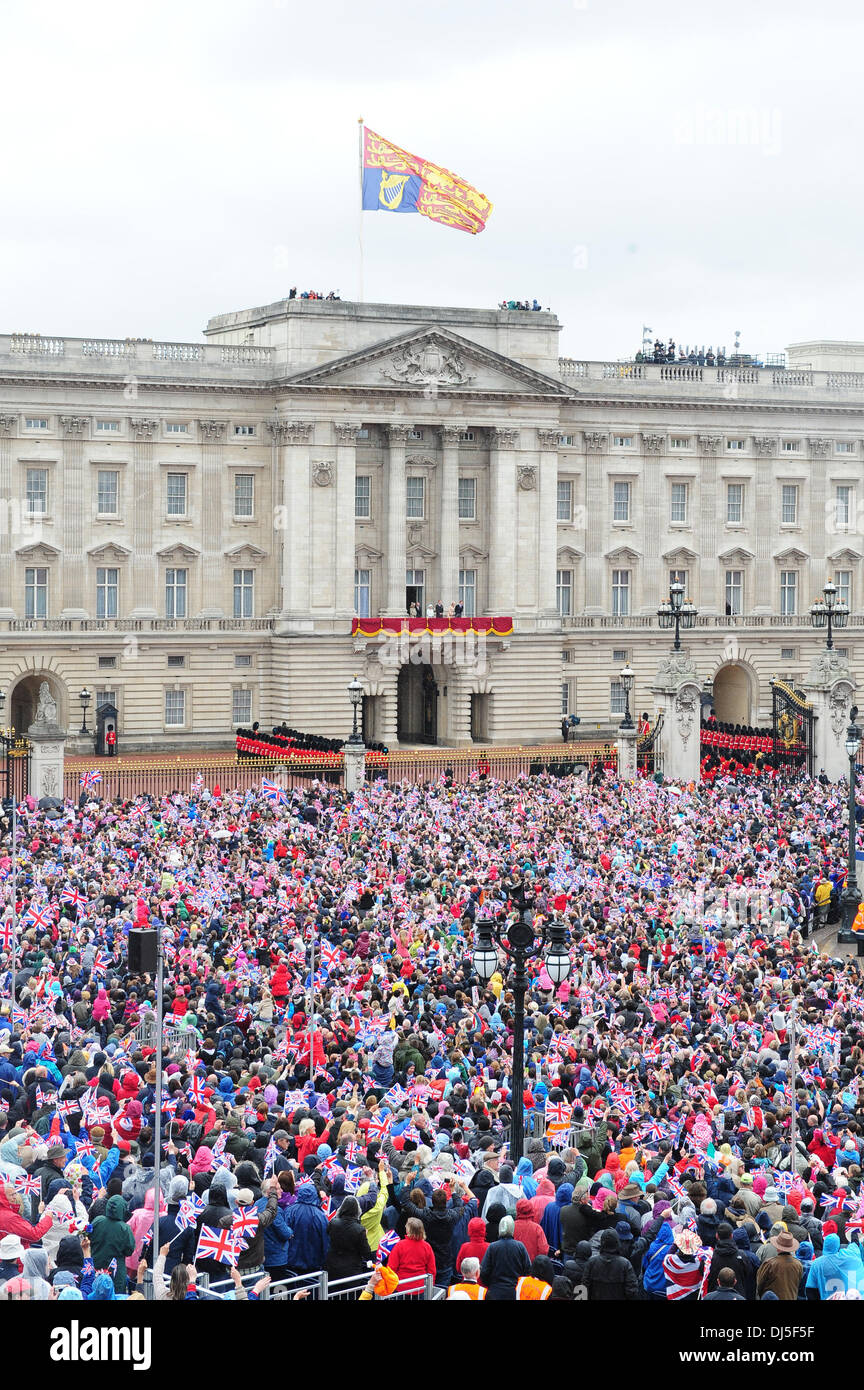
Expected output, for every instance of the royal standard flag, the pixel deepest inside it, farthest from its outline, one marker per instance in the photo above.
(396, 181)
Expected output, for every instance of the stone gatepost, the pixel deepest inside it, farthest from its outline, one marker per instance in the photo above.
(627, 765)
(829, 688)
(677, 692)
(355, 765)
(47, 741)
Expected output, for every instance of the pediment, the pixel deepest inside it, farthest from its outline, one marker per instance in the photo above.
(680, 556)
(245, 552)
(365, 555)
(568, 553)
(40, 550)
(178, 552)
(737, 555)
(625, 553)
(791, 555)
(109, 551)
(420, 552)
(419, 461)
(846, 556)
(471, 552)
(431, 360)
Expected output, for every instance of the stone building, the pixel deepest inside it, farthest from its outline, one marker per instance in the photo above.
(206, 534)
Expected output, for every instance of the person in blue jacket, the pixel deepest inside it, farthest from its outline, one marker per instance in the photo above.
(308, 1226)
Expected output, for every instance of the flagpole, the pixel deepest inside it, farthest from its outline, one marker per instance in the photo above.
(360, 224)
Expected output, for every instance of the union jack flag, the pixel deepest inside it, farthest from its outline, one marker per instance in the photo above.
(379, 1126)
(351, 1152)
(41, 918)
(83, 1146)
(186, 1216)
(386, 1244)
(90, 779)
(245, 1222)
(271, 791)
(218, 1245)
(197, 1089)
(558, 1112)
(68, 1107)
(7, 935)
(29, 1186)
(654, 1129)
(331, 955)
(837, 1202)
(71, 894)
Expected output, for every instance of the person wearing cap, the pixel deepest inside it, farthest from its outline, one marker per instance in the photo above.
(683, 1267)
(781, 1273)
(11, 1254)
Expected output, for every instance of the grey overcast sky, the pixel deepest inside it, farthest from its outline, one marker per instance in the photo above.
(692, 167)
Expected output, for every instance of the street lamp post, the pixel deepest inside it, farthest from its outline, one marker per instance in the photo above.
(354, 749)
(84, 697)
(355, 695)
(851, 897)
(520, 944)
(827, 612)
(626, 677)
(677, 612)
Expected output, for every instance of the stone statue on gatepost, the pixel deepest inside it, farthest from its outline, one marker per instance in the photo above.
(677, 696)
(47, 742)
(829, 688)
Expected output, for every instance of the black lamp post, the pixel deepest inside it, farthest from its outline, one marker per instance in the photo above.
(518, 941)
(626, 677)
(851, 896)
(355, 695)
(85, 697)
(827, 612)
(676, 612)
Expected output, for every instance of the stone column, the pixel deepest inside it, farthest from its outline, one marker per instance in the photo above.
(346, 470)
(12, 518)
(627, 767)
(212, 558)
(650, 522)
(766, 578)
(46, 763)
(597, 518)
(502, 522)
(144, 565)
(292, 439)
(547, 539)
(676, 692)
(708, 598)
(823, 522)
(829, 688)
(448, 577)
(74, 561)
(355, 765)
(396, 527)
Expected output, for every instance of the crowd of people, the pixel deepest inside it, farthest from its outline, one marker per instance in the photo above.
(284, 743)
(312, 294)
(694, 357)
(337, 1083)
(523, 304)
(741, 750)
(437, 610)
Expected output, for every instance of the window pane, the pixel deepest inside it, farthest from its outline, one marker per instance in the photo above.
(620, 593)
(467, 498)
(843, 582)
(565, 499)
(363, 495)
(790, 505)
(679, 502)
(621, 502)
(176, 496)
(734, 503)
(241, 707)
(564, 589)
(244, 494)
(467, 591)
(616, 698)
(788, 592)
(362, 586)
(243, 588)
(106, 492)
(415, 493)
(36, 593)
(37, 490)
(844, 505)
(175, 707)
(175, 593)
(107, 581)
(734, 591)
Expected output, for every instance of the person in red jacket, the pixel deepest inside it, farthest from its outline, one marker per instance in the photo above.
(412, 1256)
(476, 1245)
(528, 1230)
(279, 984)
(13, 1224)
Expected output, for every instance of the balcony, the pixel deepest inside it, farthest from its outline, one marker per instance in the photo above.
(625, 379)
(140, 625)
(723, 622)
(120, 357)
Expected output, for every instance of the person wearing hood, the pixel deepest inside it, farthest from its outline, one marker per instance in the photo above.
(609, 1275)
(309, 1236)
(506, 1194)
(349, 1250)
(827, 1273)
(727, 1254)
(141, 1226)
(112, 1239)
(64, 1202)
(36, 1267)
(653, 1272)
(251, 1193)
(551, 1219)
(13, 1223)
(529, 1231)
(476, 1245)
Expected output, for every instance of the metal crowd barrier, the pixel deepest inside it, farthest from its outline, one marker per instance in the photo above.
(418, 1288)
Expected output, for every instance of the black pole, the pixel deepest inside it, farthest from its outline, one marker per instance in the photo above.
(851, 894)
(830, 643)
(517, 1120)
(677, 645)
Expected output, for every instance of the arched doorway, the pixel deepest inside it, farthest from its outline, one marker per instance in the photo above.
(417, 705)
(732, 695)
(25, 698)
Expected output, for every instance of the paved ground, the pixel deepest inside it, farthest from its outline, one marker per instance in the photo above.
(826, 940)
